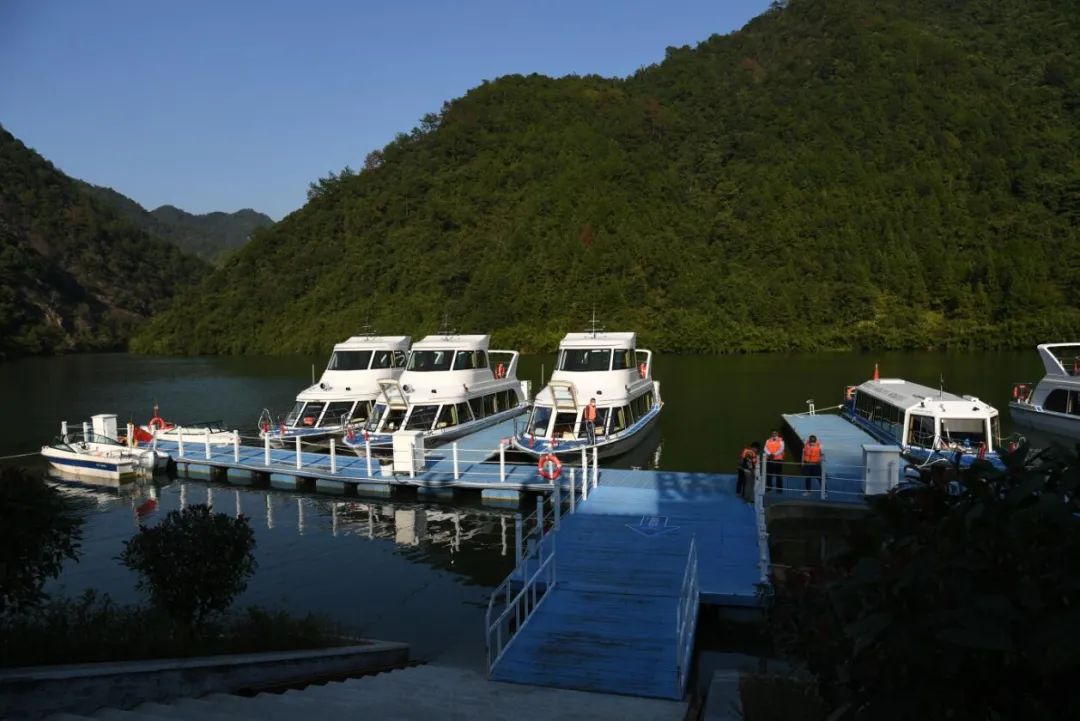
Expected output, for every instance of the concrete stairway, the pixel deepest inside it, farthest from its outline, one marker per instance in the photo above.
(420, 693)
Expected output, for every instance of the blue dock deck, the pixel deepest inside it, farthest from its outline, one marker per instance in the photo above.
(842, 448)
(609, 622)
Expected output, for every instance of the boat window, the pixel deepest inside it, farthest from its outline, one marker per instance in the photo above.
(512, 398)
(421, 418)
(464, 415)
(1074, 403)
(334, 413)
(311, 414)
(622, 359)
(349, 360)
(489, 404)
(481, 359)
(393, 420)
(362, 412)
(879, 413)
(564, 425)
(963, 431)
(447, 417)
(430, 360)
(504, 400)
(290, 420)
(477, 406)
(631, 414)
(921, 431)
(400, 359)
(376, 415)
(602, 415)
(466, 360)
(585, 359)
(619, 422)
(995, 432)
(538, 421)
(1057, 401)
(382, 359)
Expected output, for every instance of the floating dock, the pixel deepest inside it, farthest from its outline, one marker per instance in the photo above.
(618, 610)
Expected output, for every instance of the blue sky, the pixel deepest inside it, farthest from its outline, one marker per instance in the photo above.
(226, 105)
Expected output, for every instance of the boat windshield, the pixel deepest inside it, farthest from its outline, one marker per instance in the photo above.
(421, 418)
(538, 421)
(430, 360)
(585, 359)
(349, 360)
(376, 416)
(290, 419)
(337, 413)
(963, 431)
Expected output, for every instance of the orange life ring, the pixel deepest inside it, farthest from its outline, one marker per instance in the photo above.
(158, 423)
(500, 371)
(309, 420)
(849, 392)
(643, 370)
(549, 466)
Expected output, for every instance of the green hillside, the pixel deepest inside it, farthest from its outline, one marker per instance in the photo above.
(74, 274)
(210, 236)
(900, 174)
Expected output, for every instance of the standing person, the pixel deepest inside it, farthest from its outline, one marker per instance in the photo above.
(774, 461)
(748, 461)
(811, 461)
(589, 416)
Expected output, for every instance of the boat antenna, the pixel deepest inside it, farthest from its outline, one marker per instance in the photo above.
(367, 329)
(593, 327)
(446, 330)
(941, 385)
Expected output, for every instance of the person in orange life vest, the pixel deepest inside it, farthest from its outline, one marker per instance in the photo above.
(774, 461)
(589, 417)
(748, 461)
(811, 460)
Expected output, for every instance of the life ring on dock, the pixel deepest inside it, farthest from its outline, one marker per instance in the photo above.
(849, 392)
(549, 466)
(500, 371)
(157, 423)
(643, 370)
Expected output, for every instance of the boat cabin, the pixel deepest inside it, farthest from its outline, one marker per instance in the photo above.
(348, 387)
(912, 415)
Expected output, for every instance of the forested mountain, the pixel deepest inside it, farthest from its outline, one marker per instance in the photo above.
(211, 236)
(837, 174)
(74, 274)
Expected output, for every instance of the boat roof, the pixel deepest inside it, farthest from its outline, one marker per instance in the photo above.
(905, 394)
(369, 342)
(1053, 354)
(599, 340)
(453, 342)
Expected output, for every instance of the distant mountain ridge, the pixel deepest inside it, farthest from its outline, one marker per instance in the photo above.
(210, 236)
(75, 274)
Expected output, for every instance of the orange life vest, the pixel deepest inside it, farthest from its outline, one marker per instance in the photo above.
(590, 413)
(774, 449)
(811, 453)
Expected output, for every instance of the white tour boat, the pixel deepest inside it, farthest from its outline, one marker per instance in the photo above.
(98, 453)
(1052, 405)
(928, 424)
(604, 366)
(346, 393)
(453, 385)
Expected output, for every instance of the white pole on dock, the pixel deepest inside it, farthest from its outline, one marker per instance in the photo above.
(824, 493)
(585, 471)
(206, 440)
(236, 446)
(573, 491)
(367, 452)
(180, 440)
(539, 520)
(556, 502)
(455, 450)
(63, 431)
(333, 466)
(517, 539)
(266, 448)
(299, 458)
(131, 435)
(502, 461)
(85, 431)
(595, 467)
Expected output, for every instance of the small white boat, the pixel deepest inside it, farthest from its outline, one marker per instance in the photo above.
(98, 453)
(606, 367)
(453, 385)
(1053, 404)
(346, 393)
(157, 428)
(928, 424)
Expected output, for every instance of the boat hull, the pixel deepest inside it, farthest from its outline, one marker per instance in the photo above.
(1059, 424)
(89, 465)
(618, 445)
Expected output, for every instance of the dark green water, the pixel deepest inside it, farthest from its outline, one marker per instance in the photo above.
(405, 571)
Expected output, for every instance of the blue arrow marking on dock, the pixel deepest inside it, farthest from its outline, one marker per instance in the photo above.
(653, 526)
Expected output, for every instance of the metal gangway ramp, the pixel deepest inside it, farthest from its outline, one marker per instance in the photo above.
(610, 605)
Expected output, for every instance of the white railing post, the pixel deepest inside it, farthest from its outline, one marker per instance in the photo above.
(333, 463)
(236, 446)
(595, 467)
(180, 440)
(266, 448)
(207, 442)
(824, 493)
(299, 458)
(573, 491)
(540, 518)
(759, 517)
(131, 435)
(63, 430)
(556, 501)
(85, 431)
(367, 452)
(153, 439)
(502, 461)
(454, 448)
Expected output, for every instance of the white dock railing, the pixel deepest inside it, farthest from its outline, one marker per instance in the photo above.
(686, 614)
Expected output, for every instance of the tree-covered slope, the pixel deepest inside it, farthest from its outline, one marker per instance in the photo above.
(210, 236)
(74, 274)
(836, 174)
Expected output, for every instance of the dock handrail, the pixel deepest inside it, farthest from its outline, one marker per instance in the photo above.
(500, 631)
(686, 615)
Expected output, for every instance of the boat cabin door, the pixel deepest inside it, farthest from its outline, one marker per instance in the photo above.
(563, 396)
(392, 393)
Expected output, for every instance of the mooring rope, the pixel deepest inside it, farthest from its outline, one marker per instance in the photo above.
(19, 455)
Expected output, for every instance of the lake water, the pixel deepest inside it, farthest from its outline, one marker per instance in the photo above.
(404, 571)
